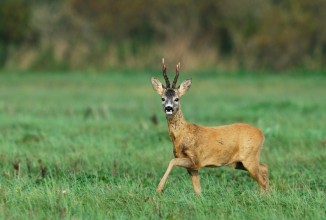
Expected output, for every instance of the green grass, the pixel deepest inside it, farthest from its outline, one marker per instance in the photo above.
(102, 157)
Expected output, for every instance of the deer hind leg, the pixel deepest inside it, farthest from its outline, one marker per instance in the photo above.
(183, 162)
(258, 172)
(195, 180)
(263, 170)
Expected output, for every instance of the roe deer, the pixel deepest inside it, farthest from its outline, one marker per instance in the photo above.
(194, 146)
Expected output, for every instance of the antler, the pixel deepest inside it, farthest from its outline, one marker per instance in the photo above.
(164, 74)
(176, 76)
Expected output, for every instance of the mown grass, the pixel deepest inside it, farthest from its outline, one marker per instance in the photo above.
(87, 147)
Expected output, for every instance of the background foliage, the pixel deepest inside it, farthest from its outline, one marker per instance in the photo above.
(74, 34)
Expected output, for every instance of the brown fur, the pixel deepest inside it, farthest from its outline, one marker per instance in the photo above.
(194, 146)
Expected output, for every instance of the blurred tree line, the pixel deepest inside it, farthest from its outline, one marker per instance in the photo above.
(250, 34)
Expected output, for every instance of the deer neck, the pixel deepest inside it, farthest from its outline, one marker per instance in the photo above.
(177, 124)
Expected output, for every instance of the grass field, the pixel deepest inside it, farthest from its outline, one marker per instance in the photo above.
(84, 146)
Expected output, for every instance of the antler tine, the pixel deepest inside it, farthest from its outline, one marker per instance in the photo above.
(164, 74)
(176, 75)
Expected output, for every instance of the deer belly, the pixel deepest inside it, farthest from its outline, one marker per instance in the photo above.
(219, 157)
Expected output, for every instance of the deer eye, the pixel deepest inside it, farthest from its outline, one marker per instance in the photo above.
(163, 99)
(176, 99)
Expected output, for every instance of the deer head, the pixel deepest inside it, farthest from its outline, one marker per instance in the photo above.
(170, 96)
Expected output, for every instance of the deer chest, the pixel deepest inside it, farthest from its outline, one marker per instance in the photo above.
(179, 152)
(183, 147)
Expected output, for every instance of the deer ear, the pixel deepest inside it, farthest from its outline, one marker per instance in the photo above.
(157, 86)
(184, 86)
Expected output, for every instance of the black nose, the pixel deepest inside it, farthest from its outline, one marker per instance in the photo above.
(168, 108)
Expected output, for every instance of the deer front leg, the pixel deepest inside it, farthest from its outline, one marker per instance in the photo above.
(195, 180)
(182, 162)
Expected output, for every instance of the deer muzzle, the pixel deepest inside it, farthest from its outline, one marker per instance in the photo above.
(168, 110)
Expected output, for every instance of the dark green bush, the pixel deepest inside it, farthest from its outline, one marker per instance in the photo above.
(15, 24)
